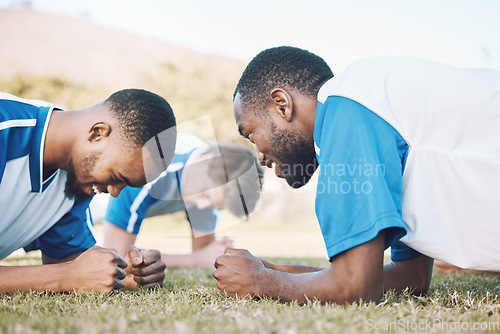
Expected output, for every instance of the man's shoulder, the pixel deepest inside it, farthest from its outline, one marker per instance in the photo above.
(363, 75)
(22, 127)
(6, 97)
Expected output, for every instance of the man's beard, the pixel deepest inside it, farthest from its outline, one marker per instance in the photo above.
(73, 188)
(299, 159)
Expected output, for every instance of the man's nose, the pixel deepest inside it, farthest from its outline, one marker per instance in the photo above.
(263, 159)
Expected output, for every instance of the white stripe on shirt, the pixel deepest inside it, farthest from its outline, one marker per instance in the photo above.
(89, 222)
(17, 123)
(135, 206)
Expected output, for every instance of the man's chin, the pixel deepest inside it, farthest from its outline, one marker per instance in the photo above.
(76, 197)
(296, 183)
(75, 194)
(297, 177)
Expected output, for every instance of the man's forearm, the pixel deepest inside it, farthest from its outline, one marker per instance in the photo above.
(320, 285)
(200, 242)
(34, 278)
(97, 269)
(117, 238)
(50, 260)
(353, 275)
(179, 260)
(290, 268)
(292, 286)
(414, 274)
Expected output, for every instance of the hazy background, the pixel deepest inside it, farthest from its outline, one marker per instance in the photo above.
(460, 32)
(76, 53)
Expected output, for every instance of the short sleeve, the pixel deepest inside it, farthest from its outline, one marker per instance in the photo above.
(402, 252)
(73, 233)
(361, 159)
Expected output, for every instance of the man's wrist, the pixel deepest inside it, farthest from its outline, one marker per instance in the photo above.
(63, 281)
(262, 282)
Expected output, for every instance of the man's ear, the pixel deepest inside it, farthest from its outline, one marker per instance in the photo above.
(98, 131)
(282, 103)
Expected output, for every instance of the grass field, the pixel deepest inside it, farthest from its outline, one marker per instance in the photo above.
(189, 302)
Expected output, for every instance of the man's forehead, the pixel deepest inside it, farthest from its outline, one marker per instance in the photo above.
(132, 170)
(243, 121)
(242, 114)
(237, 107)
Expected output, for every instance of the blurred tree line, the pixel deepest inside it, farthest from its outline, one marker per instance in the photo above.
(191, 91)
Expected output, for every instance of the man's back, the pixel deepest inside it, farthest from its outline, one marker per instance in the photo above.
(450, 119)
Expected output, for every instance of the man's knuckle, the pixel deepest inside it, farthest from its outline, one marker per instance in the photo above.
(111, 257)
(145, 272)
(140, 280)
(110, 282)
(218, 263)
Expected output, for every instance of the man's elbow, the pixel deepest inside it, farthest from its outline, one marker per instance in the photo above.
(353, 292)
(422, 278)
(421, 285)
(367, 293)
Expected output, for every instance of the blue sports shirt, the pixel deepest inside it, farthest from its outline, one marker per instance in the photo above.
(361, 163)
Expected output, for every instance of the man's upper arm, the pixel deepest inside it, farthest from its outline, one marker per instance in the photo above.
(73, 233)
(117, 238)
(359, 190)
(360, 271)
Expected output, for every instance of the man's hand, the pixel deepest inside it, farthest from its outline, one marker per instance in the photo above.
(97, 269)
(145, 268)
(237, 273)
(353, 275)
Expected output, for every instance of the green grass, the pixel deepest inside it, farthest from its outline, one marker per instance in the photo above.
(189, 302)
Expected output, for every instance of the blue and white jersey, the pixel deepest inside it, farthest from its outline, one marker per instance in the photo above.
(34, 212)
(162, 196)
(361, 163)
(426, 137)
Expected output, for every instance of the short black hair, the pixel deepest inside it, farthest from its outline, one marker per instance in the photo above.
(140, 115)
(284, 67)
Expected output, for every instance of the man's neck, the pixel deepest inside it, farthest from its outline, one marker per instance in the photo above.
(305, 108)
(58, 142)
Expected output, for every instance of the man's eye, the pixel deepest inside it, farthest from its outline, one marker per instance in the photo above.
(247, 135)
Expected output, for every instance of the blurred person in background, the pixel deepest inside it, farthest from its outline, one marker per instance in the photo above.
(51, 164)
(201, 180)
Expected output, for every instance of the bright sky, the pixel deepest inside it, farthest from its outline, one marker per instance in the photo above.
(458, 32)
